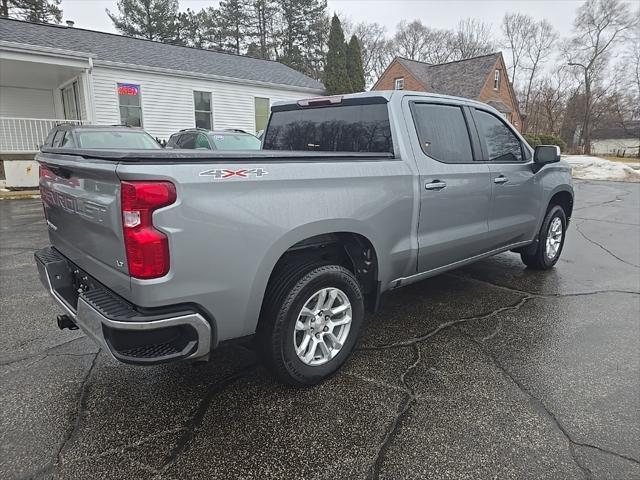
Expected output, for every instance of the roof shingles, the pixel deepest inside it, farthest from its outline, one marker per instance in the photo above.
(119, 49)
(463, 78)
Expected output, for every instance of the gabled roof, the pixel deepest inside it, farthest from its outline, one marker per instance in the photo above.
(462, 78)
(108, 47)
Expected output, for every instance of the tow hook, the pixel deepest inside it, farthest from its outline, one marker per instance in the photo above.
(64, 321)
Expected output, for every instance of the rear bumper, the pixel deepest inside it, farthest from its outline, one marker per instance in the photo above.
(131, 334)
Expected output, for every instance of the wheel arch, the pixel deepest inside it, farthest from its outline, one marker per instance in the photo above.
(563, 198)
(347, 238)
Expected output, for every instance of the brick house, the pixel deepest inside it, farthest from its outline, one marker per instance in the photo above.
(481, 78)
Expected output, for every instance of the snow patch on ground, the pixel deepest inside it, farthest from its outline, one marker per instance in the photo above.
(596, 168)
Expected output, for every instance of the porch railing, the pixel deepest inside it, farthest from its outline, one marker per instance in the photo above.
(25, 135)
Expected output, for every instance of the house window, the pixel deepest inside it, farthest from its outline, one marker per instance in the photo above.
(130, 106)
(496, 80)
(399, 83)
(70, 102)
(262, 106)
(202, 107)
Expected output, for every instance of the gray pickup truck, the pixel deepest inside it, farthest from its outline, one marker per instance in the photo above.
(161, 255)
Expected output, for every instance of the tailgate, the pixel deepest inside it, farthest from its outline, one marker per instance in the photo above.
(81, 200)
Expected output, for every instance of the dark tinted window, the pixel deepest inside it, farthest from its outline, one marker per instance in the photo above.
(57, 140)
(49, 141)
(187, 140)
(502, 144)
(442, 131)
(173, 141)
(345, 128)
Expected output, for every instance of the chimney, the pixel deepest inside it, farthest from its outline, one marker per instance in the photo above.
(70, 23)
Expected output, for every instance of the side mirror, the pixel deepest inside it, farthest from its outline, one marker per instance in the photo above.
(546, 154)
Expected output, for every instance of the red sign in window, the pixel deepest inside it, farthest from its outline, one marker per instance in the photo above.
(128, 89)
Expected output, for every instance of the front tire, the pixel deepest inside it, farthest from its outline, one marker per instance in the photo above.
(550, 241)
(310, 322)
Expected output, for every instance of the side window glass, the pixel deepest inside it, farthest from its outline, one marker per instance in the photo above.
(49, 140)
(501, 143)
(173, 141)
(67, 141)
(57, 140)
(202, 142)
(442, 132)
(187, 140)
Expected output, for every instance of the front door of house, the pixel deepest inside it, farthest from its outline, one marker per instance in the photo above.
(70, 102)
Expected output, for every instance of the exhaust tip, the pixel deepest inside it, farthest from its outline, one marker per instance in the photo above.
(65, 321)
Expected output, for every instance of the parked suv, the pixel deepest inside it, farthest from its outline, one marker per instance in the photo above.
(201, 139)
(351, 197)
(98, 137)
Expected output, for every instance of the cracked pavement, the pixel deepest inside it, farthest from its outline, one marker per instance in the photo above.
(489, 371)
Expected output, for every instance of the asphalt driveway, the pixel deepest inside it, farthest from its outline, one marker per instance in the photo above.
(490, 371)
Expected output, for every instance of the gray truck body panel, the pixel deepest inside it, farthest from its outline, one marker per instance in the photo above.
(227, 234)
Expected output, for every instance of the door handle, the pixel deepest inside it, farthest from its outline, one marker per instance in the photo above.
(435, 185)
(500, 179)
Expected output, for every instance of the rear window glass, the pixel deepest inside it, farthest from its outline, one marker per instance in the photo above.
(345, 128)
(232, 141)
(116, 139)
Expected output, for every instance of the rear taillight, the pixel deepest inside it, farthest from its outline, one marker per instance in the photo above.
(147, 248)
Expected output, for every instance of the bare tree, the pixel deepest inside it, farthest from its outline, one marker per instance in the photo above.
(549, 98)
(518, 30)
(539, 49)
(372, 38)
(411, 40)
(631, 59)
(472, 38)
(599, 26)
(382, 58)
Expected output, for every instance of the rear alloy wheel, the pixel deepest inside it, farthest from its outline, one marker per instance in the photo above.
(310, 322)
(323, 326)
(550, 241)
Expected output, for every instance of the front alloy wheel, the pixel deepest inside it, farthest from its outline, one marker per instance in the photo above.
(554, 238)
(550, 241)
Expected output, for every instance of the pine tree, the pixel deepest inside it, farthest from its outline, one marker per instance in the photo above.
(150, 19)
(354, 65)
(336, 77)
(200, 29)
(300, 25)
(233, 24)
(260, 28)
(39, 11)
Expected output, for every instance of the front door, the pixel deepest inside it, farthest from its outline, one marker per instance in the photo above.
(455, 190)
(70, 101)
(517, 195)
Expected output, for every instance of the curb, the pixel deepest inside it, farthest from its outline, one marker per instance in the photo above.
(19, 194)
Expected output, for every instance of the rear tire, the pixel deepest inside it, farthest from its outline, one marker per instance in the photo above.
(550, 241)
(301, 339)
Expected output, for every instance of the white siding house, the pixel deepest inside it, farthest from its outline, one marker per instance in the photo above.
(51, 74)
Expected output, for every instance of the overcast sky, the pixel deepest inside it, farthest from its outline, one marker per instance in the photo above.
(434, 13)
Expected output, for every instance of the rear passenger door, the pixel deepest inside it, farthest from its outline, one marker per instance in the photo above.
(455, 189)
(516, 196)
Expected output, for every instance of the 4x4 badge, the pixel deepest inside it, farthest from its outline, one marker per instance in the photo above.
(223, 173)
